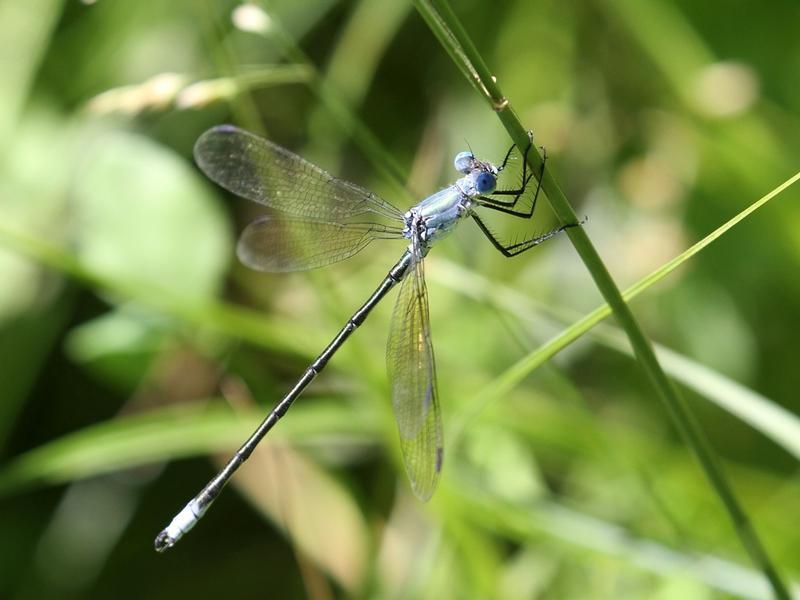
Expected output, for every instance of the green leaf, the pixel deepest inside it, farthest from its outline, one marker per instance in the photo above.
(145, 216)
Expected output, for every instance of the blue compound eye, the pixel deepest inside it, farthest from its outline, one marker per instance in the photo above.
(463, 162)
(485, 183)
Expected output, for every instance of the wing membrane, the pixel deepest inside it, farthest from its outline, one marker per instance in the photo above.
(256, 169)
(412, 371)
(279, 244)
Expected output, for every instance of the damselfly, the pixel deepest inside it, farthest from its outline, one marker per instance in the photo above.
(322, 219)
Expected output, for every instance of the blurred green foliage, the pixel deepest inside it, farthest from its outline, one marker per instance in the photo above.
(129, 336)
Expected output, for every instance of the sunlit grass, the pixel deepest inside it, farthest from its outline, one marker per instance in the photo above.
(561, 479)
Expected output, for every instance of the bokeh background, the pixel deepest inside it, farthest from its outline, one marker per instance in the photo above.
(135, 353)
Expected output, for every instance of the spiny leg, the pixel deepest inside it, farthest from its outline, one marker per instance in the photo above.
(525, 178)
(523, 246)
(510, 150)
(505, 160)
(507, 206)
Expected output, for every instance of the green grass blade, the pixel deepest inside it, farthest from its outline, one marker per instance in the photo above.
(198, 428)
(447, 28)
(352, 66)
(383, 162)
(25, 32)
(581, 530)
(173, 432)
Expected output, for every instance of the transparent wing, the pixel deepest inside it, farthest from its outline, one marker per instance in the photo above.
(412, 371)
(284, 243)
(256, 169)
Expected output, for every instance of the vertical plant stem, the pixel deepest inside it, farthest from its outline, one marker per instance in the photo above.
(446, 27)
(383, 162)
